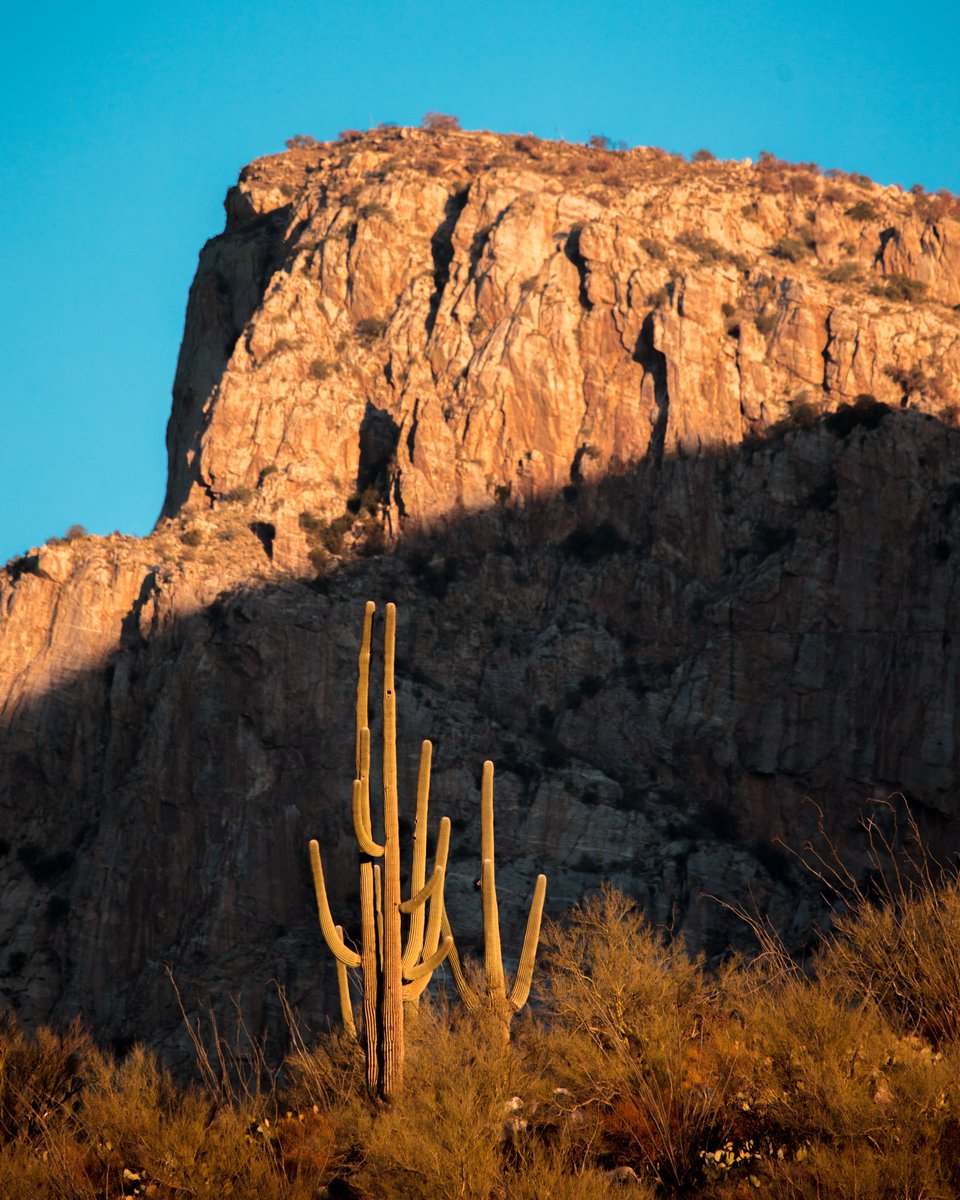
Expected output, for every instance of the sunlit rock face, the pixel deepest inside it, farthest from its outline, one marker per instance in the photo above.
(660, 463)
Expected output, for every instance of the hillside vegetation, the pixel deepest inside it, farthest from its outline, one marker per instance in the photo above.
(641, 1074)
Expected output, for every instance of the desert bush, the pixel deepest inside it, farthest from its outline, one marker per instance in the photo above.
(445, 1135)
(844, 272)
(902, 288)
(301, 141)
(898, 943)
(790, 249)
(863, 210)
(765, 322)
(321, 369)
(376, 210)
(703, 156)
(437, 122)
(39, 1077)
(368, 329)
(653, 248)
(632, 1020)
(707, 249)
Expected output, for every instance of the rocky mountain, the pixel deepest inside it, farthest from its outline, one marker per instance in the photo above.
(661, 463)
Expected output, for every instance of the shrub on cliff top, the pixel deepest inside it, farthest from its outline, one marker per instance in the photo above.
(437, 122)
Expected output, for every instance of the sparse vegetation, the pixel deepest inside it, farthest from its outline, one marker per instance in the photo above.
(641, 1067)
(765, 322)
(863, 210)
(437, 122)
(790, 249)
(368, 329)
(845, 272)
(902, 288)
(321, 369)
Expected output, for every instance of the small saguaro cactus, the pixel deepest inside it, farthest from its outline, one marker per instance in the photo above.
(392, 974)
(494, 979)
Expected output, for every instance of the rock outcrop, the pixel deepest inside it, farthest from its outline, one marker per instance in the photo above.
(659, 461)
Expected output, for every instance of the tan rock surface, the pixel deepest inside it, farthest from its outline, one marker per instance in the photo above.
(599, 443)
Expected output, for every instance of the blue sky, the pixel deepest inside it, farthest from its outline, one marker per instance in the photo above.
(124, 124)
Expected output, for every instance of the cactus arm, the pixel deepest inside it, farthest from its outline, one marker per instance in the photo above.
(425, 969)
(492, 954)
(364, 778)
(466, 993)
(338, 948)
(360, 830)
(343, 987)
(413, 991)
(363, 679)
(418, 896)
(524, 976)
(416, 904)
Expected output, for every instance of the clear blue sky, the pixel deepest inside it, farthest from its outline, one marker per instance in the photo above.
(124, 124)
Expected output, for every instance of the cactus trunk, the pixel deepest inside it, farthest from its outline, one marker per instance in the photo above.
(390, 974)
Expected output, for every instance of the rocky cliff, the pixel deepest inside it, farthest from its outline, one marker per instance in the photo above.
(660, 462)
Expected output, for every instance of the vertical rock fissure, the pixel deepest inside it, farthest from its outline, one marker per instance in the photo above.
(654, 363)
(571, 249)
(441, 248)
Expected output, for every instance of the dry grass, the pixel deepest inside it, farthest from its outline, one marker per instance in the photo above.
(758, 1080)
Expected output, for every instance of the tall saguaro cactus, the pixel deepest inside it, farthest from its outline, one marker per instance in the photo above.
(391, 972)
(494, 979)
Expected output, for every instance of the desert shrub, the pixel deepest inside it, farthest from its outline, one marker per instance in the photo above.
(301, 141)
(660, 297)
(703, 156)
(653, 248)
(790, 249)
(437, 122)
(707, 249)
(76, 533)
(321, 369)
(368, 329)
(865, 413)
(39, 1077)
(376, 210)
(349, 135)
(863, 210)
(191, 537)
(444, 1136)
(830, 1094)
(903, 288)
(592, 543)
(632, 1019)
(844, 272)
(765, 322)
(238, 495)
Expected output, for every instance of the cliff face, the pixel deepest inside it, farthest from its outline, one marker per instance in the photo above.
(659, 461)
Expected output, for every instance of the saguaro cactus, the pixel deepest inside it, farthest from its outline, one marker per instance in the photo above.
(391, 973)
(494, 979)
